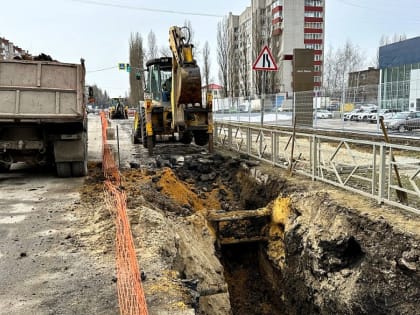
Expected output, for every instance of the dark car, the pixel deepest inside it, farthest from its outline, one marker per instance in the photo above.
(404, 121)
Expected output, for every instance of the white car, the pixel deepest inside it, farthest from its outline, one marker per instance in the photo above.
(385, 113)
(322, 113)
(352, 115)
(364, 116)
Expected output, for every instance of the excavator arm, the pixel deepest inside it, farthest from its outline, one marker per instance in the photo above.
(186, 77)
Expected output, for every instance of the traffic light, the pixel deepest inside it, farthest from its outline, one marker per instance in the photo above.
(128, 68)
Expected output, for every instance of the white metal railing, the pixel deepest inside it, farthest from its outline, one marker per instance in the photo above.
(359, 166)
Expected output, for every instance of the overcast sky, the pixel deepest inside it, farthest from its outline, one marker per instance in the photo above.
(99, 30)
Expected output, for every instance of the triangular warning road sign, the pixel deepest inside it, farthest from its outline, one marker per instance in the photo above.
(265, 61)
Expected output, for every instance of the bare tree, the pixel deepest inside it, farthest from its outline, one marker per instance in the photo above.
(222, 53)
(338, 63)
(273, 84)
(101, 97)
(152, 49)
(165, 51)
(136, 62)
(259, 40)
(206, 64)
(233, 64)
(244, 66)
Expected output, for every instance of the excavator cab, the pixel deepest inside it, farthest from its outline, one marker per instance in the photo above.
(154, 116)
(173, 104)
(158, 80)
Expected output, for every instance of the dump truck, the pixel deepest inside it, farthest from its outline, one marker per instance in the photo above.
(173, 106)
(43, 116)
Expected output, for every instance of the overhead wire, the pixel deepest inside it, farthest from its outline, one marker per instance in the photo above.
(123, 6)
(103, 69)
(366, 7)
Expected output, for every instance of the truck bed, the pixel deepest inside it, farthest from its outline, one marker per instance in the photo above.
(41, 91)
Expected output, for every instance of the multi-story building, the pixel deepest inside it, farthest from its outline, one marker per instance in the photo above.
(399, 65)
(282, 25)
(8, 50)
(363, 86)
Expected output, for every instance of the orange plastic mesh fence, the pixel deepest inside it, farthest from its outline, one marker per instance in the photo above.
(131, 297)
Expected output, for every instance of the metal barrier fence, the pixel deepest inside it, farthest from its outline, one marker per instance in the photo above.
(131, 297)
(359, 166)
(355, 108)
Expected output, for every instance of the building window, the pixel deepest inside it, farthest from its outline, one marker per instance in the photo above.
(313, 36)
(313, 46)
(313, 3)
(313, 14)
(277, 15)
(317, 25)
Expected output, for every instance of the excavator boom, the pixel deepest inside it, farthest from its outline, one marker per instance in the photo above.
(187, 77)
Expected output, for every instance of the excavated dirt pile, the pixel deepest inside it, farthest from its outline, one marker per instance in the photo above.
(325, 252)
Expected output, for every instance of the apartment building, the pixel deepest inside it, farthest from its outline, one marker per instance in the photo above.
(8, 50)
(283, 25)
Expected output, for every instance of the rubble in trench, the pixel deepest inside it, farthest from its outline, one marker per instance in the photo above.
(320, 256)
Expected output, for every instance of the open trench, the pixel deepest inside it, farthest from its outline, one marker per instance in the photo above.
(196, 181)
(305, 248)
(301, 251)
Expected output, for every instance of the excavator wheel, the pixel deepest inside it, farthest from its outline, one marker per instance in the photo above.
(186, 137)
(134, 137)
(201, 138)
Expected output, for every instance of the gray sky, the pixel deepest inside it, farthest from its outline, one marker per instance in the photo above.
(70, 29)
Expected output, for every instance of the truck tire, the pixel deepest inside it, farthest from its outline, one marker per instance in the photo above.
(186, 137)
(79, 169)
(4, 167)
(201, 138)
(63, 169)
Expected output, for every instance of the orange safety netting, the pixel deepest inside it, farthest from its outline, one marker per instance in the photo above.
(131, 297)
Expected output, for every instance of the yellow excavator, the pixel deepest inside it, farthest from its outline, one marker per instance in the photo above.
(117, 109)
(173, 106)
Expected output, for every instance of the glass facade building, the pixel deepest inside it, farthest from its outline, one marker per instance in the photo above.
(399, 64)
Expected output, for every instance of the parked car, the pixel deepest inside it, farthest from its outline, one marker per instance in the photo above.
(363, 116)
(385, 113)
(352, 115)
(403, 121)
(322, 113)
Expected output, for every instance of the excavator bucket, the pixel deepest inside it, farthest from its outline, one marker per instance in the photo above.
(189, 85)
